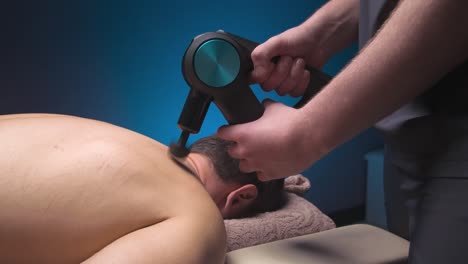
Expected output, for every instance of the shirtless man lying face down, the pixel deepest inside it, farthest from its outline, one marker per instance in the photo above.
(77, 190)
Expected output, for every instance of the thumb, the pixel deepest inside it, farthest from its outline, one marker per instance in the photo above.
(229, 133)
(264, 53)
(268, 102)
(262, 57)
(272, 108)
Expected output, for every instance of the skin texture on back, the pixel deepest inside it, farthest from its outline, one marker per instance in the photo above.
(73, 187)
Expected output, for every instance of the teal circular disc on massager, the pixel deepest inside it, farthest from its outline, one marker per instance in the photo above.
(217, 63)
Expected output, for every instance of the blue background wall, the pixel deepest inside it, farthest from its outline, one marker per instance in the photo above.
(119, 61)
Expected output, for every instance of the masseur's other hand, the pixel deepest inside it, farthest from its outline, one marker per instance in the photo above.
(273, 146)
(296, 48)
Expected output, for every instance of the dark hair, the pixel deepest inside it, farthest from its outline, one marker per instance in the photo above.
(270, 195)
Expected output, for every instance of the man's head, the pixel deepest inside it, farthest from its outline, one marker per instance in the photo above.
(234, 192)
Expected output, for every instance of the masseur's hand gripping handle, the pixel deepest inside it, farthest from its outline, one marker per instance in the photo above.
(318, 79)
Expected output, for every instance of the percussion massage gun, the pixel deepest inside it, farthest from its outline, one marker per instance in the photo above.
(216, 66)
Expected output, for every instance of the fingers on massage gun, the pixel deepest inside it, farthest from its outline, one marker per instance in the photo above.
(318, 79)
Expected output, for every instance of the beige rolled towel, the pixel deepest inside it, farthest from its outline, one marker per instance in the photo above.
(297, 184)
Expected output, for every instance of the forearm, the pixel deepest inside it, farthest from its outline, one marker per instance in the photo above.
(420, 43)
(335, 24)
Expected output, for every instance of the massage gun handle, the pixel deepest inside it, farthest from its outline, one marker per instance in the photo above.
(318, 79)
(240, 105)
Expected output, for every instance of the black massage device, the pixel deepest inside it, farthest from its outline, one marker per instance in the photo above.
(216, 66)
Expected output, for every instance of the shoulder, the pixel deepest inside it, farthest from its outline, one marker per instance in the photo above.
(204, 228)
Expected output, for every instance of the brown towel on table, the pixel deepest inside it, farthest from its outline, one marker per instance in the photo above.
(298, 217)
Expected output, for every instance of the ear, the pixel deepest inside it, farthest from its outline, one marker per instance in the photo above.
(239, 200)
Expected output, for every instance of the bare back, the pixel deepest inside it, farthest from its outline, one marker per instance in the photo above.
(71, 186)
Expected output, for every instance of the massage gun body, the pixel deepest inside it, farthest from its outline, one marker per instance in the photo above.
(216, 66)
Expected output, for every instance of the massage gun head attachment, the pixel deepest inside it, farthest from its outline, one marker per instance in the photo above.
(178, 149)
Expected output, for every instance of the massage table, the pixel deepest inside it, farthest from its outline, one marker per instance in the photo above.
(359, 243)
